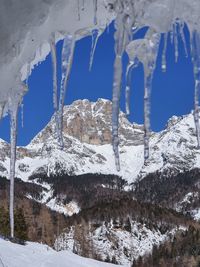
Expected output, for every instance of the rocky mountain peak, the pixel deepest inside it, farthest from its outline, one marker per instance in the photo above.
(90, 123)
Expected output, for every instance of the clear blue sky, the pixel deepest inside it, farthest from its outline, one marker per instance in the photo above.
(172, 92)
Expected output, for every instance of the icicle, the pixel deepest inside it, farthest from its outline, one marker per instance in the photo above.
(115, 108)
(182, 34)
(83, 5)
(195, 51)
(107, 27)
(176, 42)
(130, 67)
(147, 94)
(67, 58)
(119, 49)
(2, 105)
(164, 62)
(78, 6)
(40, 50)
(54, 65)
(13, 110)
(149, 68)
(13, 140)
(28, 74)
(172, 34)
(196, 110)
(128, 85)
(55, 82)
(123, 28)
(95, 11)
(95, 38)
(22, 115)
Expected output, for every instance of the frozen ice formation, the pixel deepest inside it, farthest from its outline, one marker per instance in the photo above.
(29, 30)
(160, 17)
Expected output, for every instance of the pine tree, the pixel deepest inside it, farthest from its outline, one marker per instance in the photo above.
(4, 222)
(20, 225)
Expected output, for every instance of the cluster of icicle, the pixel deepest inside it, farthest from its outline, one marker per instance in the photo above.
(145, 51)
(67, 59)
(129, 18)
(141, 50)
(13, 106)
(59, 93)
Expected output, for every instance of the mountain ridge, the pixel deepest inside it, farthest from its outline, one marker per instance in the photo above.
(87, 139)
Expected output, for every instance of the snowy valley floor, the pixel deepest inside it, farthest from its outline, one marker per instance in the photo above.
(38, 255)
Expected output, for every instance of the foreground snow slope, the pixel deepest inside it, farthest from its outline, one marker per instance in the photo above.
(37, 255)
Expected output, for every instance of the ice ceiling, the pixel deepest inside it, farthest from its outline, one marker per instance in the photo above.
(30, 29)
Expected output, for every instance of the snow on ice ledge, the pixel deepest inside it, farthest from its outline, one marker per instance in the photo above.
(26, 28)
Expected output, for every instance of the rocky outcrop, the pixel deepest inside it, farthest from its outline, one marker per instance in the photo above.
(90, 123)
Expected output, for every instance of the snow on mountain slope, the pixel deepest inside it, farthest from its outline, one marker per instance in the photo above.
(196, 214)
(87, 139)
(38, 255)
(188, 204)
(111, 241)
(175, 148)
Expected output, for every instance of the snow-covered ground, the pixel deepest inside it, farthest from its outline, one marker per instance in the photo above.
(196, 214)
(38, 255)
(111, 240)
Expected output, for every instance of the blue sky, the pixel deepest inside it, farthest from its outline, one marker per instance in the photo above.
(172, 92)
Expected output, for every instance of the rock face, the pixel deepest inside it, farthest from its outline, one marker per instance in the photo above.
(87, 140)
(90, 123)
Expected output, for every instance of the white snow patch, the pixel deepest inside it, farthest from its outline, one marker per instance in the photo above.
(68, 209)
(111, 241)
(196, 214)
(38, 255)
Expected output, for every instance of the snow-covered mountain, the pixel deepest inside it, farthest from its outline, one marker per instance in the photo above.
(87, 139)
